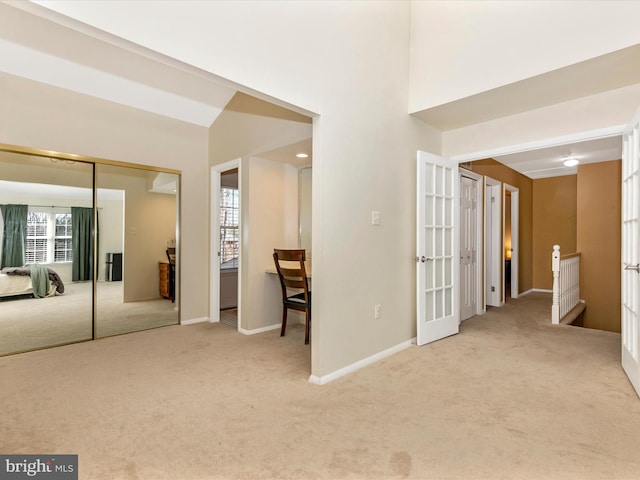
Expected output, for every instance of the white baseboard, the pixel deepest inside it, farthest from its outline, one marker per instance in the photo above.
(191, 321)
(531, 290)
(259, 330)
(360, 363)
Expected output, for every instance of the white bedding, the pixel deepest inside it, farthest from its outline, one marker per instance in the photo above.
(15, 285)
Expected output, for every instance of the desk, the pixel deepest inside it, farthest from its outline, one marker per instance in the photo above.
(307, 268)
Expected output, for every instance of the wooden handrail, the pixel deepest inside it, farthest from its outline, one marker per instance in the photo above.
(570, 255)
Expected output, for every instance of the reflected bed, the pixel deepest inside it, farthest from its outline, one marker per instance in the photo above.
(16, 281)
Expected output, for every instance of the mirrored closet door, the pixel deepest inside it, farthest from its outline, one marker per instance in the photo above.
(137, 279)
(46, 255)
(71, 272)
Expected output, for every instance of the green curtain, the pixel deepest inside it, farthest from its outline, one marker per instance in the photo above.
(14, 238)
(82, 243)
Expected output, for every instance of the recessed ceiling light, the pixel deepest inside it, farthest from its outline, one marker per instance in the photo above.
(301, 155)
(571, 162)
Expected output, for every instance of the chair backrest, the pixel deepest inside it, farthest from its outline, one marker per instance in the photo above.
(171, 255)
(291, 270)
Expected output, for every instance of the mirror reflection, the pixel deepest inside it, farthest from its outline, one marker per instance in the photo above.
(47, 239)
(46, 287)
(136, 288)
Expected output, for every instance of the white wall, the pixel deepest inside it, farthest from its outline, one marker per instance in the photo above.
(269, 219)
(463, 48)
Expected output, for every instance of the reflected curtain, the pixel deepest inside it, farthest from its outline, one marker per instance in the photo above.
(14, 237)
(82, 243)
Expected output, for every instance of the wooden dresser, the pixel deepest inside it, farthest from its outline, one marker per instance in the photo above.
(164, 280)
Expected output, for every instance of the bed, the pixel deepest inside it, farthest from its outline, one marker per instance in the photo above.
(17, 281)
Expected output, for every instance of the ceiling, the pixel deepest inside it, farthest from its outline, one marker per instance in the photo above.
(548, 162)
(72, 55)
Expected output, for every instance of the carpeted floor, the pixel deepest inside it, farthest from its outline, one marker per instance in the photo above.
(31, 323)
(510, 397)
(229, 316)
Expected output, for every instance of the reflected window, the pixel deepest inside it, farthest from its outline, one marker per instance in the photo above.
(48, 237)
(63, 251)
(229, 227)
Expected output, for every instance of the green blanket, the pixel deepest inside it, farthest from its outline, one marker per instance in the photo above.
(39, 280)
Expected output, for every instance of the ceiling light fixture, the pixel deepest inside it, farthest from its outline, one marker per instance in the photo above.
(571, 162)
(301, 155)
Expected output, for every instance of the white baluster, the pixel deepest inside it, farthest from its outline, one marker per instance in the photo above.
(555, 268)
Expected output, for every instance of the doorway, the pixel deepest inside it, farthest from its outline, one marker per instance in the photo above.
(229, 246)
(510, 201)
(493, 241)
(225, 244)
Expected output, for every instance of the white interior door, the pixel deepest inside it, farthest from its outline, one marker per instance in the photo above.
(493, 242)
(437, 260)
(631, 253)
(468, 247)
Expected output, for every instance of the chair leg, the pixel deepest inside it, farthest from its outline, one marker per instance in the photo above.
(284, 320)
(306, 330)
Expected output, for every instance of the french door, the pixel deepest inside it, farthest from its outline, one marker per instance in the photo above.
(631, 252)
(438, 248)
(468, 247)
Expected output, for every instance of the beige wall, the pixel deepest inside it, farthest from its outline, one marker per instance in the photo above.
(269, 219)
(598, 239)
(497, 171)
(554, 223)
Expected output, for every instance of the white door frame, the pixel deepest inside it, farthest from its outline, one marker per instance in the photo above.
(515, 216)
(480, 306)
(493, 242)
(214, 248)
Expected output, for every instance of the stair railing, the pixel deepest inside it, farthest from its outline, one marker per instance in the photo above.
(566, 283)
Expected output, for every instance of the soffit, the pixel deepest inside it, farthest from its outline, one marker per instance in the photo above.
(607, 72)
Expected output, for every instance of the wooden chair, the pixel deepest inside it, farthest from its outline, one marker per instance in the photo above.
(171, 256)
(293, 276)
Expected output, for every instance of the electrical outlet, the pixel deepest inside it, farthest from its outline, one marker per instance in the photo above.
(377, 312)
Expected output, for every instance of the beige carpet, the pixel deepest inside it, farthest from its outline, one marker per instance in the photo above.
(31, 323)
(510, 397)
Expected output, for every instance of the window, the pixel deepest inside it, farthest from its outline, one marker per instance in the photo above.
(62, 247)
(229, 227)
(48, 237)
